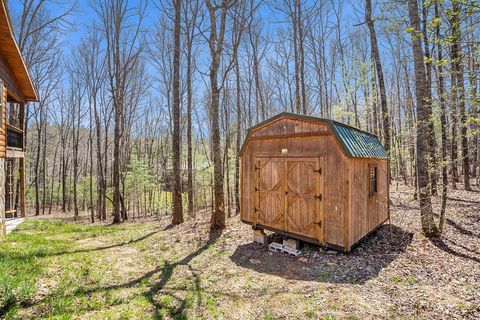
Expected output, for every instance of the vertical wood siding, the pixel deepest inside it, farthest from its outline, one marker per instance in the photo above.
(367, 211)
(335, 174)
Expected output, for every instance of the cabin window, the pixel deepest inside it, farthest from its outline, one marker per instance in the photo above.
(12, 114)
(372, 179)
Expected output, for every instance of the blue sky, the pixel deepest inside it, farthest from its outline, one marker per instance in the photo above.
(85, 15)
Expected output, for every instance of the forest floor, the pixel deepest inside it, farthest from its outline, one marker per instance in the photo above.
(151, 270)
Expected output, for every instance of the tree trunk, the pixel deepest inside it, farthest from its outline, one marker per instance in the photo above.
(116, 165)
(431, 132)
(190, 33)
(428, 225)
(381, 81)
(443, 120)
(238, 137)
(457, 60)
(301, 57)
(298, 102)
(216, 47)
(177, 214)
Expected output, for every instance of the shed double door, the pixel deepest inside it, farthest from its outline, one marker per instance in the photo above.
(288, 195)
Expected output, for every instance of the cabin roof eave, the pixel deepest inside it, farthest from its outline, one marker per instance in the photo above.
(13, 56)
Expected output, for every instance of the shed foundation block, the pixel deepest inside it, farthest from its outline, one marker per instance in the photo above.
(291, 243)
(259, 236)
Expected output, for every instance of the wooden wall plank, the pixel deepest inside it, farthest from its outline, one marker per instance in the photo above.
(334, 172)
(368, 211)
(347, 210)
(3, 129)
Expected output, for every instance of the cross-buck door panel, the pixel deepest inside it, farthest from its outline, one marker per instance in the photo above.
(303, 198)
(269, 189)
(288, 195)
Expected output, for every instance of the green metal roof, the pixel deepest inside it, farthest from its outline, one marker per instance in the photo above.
(358, 143)
(355, 142)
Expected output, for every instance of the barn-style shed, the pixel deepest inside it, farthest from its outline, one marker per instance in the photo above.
(313, 179)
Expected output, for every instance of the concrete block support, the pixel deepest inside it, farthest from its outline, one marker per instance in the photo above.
(259, 236)
(293, 244)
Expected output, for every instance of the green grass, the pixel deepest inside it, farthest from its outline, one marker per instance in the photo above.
(407, 281)
(268, 315)
(55, 270)
(21, 262)
(41, 259)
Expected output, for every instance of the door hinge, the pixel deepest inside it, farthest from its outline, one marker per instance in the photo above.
(319, 171)
(319, 197)
(257, 210)
(256, 168)
(256, 189)
(319, 223)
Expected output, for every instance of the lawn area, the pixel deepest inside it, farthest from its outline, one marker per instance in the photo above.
(59, 270)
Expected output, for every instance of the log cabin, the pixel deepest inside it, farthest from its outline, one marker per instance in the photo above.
(314, 179)
(16, 89)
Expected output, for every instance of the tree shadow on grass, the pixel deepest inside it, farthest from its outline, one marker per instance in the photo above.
(145, 236)
(365, 262)
(50, 253)
(164, 274)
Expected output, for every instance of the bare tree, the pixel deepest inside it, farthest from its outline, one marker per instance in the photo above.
(443, 120)
(428, 225)
(75, 106)
(459, 88)
(124, 44)
(177, 213)
(94, 76)
(216, 44)
(192, 9)
(378, 68)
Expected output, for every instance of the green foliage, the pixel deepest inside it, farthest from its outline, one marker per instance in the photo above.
(310, 313)
(138, 178)
(406, 281)
(268, 315)
(211, 307)
(324, 271)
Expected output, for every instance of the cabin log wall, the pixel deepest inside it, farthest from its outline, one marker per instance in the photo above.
(3, 129)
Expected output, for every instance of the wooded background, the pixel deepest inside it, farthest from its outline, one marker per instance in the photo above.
(145, 112)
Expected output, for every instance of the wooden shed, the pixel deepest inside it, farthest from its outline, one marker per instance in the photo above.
(314, 179)
(16, 89)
